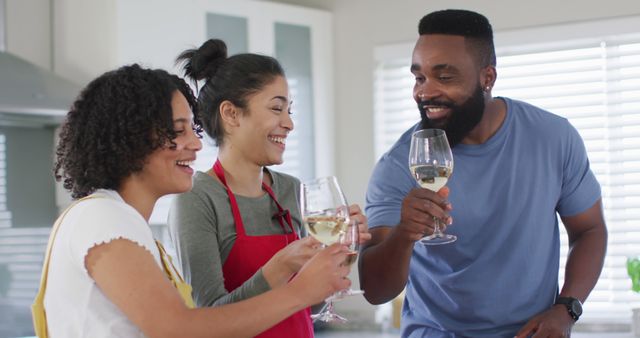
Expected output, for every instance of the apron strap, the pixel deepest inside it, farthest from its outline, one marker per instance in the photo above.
(237, 217)
(37, 308)
(283, 215)
(174, 276)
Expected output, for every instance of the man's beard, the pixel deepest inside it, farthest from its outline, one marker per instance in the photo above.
(461, 120)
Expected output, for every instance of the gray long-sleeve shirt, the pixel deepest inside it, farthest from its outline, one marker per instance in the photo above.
(203, 231)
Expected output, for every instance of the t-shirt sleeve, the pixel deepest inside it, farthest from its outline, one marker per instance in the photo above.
(193, 229)
(105, 220)
(390, 182)
(580, 189)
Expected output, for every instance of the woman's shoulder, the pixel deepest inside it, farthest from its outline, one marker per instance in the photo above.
(204, 187)
(283, 179)
(103, 204)
(105, 209)
(203, 183)
(101, 218)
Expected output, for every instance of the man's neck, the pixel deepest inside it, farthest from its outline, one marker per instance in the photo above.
(495, 111)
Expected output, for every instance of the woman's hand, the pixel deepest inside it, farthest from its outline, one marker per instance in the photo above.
(355, 213)
(323, 275)
(279, 269)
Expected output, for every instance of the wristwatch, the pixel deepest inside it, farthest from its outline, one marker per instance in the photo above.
(573, 305)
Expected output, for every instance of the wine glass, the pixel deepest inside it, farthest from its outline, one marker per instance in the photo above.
(326, 217)
(351, 239)
(431, 164)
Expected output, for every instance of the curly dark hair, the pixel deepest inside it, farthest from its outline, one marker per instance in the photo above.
(115, 123)
(232, 79)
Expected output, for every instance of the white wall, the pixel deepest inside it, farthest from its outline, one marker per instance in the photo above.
(84, 38)
(74, 38)
(361, 25)
(28, 24)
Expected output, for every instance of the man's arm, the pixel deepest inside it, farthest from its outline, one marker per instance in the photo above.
(384, 260)
(587, 247)
(384, 265)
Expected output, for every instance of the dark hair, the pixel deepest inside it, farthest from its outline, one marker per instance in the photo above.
(230, 79)
(473, 26)
(115, 123)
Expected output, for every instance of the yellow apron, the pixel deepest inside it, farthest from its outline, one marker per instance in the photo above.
(37, 308)
(174, 276)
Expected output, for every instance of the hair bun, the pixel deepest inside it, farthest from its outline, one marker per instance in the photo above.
(202, 63)
(208, 57)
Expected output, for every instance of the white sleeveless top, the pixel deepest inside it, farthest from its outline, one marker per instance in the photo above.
(75, 306)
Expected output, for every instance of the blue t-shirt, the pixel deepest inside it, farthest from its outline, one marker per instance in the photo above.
(505, 193)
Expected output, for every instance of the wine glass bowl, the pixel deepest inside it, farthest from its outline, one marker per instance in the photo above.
(431, 164)
(324, 209)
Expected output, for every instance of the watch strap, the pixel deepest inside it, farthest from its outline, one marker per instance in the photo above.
(569, 303)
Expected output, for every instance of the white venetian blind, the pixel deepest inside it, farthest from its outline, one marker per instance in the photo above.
(394, 108)
(595, 83)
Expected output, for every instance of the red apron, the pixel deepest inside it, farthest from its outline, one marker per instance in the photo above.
(250, 253)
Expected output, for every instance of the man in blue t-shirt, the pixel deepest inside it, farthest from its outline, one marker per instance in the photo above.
(516, 168)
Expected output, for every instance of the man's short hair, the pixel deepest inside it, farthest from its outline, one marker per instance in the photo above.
(474, 27)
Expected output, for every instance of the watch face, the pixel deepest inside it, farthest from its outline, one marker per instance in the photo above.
(576, 307)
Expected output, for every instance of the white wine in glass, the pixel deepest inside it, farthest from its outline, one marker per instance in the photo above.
(326, 229)
(431, 177)
(431, 164)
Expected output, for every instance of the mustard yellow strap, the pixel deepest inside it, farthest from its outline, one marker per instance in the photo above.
(174, 276)
(37, 308)
(167, 263)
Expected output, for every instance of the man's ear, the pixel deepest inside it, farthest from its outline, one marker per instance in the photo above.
(229, 113)
(488, 77)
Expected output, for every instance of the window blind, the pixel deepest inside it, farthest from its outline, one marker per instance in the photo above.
(594, 83)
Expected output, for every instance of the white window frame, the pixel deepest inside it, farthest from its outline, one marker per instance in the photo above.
(3, 29)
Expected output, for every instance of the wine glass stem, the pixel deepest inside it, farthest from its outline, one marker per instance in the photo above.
(329, 306)
(436, 227)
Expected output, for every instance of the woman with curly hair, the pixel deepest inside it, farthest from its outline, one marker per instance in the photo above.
(237, 232)
(129, 139)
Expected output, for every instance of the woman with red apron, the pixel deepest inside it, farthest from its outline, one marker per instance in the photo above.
(244, 105)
